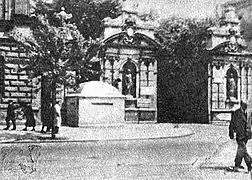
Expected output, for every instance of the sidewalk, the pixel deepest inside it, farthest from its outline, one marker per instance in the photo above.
(96, 133)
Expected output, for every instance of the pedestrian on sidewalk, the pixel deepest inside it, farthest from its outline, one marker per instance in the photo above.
(47, 119)
(10, 115)
(57, 116)
(30, 120)
(239, 125)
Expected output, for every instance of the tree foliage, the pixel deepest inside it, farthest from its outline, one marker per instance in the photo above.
(49, 47)
(89, 14)
(184, 71)
(52, 49)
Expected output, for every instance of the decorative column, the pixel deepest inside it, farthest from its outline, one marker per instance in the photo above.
(210, 87)
(247, 70)
(147, 64)
(111, 60)
(240, 68)
(139, 74)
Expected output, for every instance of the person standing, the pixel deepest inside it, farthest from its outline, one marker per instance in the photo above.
(239, 125)
(30, 120)
(10, 116)
(57, 116)
(47, 119)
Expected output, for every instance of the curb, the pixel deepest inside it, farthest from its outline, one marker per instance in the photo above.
(89, 140)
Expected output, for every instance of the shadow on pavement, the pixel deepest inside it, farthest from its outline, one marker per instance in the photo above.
(17, 136)
(24, 136)
(50, 138)
(224, 168)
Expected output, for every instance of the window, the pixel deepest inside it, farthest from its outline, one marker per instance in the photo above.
(22, 7)
(8, 8)
(147, 79)
(5, 9)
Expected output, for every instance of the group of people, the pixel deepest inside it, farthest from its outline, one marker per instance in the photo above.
(26, 110)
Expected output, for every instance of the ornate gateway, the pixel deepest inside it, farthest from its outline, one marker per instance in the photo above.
(128, 62)
(230, 78)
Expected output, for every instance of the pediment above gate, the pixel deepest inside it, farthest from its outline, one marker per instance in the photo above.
(229, 47)
(131, 21)
(137, 40)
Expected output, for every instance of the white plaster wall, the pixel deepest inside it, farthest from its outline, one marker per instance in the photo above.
(93, 110)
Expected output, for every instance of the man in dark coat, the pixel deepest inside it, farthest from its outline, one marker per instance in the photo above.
(10, 116)
(239, 125)
(30, 120)
(47, 118)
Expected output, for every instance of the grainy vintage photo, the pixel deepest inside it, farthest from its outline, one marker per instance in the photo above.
(125, 89)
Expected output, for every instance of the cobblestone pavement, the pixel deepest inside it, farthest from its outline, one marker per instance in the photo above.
(204, 155)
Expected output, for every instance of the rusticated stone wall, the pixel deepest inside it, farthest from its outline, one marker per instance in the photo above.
(17, 86)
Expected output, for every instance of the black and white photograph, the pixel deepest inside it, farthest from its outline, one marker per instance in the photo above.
(125, 89)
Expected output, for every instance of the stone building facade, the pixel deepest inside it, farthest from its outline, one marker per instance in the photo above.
(15, 84)
(230, 72)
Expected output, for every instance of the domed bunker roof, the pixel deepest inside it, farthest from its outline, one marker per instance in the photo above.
(98, 89)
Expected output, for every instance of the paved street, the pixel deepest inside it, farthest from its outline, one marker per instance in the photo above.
(142, 159)
(168, 158)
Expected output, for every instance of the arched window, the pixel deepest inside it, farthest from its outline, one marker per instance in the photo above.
(129, 79)
(232, 88)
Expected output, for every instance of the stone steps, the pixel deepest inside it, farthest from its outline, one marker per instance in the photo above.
(220, 123)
